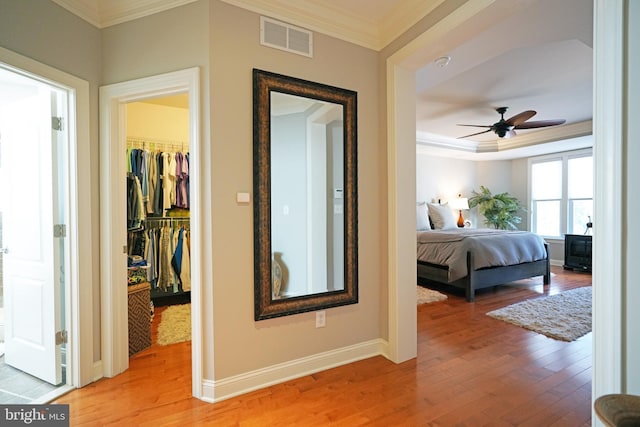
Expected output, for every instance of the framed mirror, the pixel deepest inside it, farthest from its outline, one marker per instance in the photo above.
(305, 195)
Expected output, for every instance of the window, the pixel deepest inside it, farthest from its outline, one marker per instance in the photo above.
(561, 193)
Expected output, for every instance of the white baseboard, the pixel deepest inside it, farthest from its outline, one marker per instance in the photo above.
(556, 262)
(208, 393)
(215, 391)
(97, 371)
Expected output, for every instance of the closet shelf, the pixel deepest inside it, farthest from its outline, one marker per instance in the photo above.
(157, 144)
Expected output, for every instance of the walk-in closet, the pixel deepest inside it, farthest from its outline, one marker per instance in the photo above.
(158, 221)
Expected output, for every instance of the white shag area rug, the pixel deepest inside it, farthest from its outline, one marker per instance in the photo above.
(175, 324)
(565, 316)
(426, 296)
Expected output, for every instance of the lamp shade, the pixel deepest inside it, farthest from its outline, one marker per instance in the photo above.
(459, 203)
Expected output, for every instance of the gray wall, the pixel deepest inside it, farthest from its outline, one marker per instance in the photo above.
(241, 344)
(49, 34)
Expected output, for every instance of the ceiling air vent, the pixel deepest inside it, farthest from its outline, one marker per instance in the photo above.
(286, 37)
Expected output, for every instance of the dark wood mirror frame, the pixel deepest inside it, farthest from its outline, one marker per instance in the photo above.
(265, 306)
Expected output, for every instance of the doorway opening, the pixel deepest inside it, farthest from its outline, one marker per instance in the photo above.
(115, 99)
(35, 253)
(158, 221)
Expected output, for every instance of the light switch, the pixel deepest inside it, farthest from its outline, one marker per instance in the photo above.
(285, 210)
(243, 198)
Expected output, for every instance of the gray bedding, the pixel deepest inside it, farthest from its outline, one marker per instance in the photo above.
(491, 248)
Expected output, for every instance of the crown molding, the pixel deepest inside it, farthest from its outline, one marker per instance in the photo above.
(338, 23)
(445, 142)
(551, 134)
(104, 14)
(85, 9)
(545, 141)
(323, 18)
(118, 11)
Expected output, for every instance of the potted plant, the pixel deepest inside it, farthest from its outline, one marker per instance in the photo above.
(499, 210)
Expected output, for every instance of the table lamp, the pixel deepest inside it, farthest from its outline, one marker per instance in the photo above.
(459, 204)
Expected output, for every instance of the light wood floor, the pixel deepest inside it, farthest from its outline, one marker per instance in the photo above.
(471, 370)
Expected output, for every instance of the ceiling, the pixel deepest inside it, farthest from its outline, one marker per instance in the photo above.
(520, 54)
(538, 57)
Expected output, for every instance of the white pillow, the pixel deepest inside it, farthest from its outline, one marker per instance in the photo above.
(442, 217)
(422, 217)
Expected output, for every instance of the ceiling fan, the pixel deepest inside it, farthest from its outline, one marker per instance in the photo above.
(506, 128)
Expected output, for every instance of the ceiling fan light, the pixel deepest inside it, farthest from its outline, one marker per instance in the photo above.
(442, 61)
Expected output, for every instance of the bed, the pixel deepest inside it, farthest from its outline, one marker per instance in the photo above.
(473, 259)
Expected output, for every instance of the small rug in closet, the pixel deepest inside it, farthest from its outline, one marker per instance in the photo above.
(175, 324)
(565, 316)
(427, 296)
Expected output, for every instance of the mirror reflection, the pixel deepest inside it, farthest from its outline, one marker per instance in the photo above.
(305, 195)
(307, 210)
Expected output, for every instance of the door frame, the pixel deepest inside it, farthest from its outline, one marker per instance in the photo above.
(78, 300)
(610, 374)
(113, 236)
(400, 69)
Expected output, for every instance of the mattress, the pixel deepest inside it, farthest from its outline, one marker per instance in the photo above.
(490, 248)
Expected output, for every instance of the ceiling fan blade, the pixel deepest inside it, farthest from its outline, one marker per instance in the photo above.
(476, 126)
(520, 118)
(474, 134)
(539, 124)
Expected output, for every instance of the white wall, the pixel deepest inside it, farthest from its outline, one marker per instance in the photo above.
(519, 187)
(444, 178)
(495, 175)
(289, 199)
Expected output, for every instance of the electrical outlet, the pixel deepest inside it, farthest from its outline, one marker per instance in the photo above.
(320, 319)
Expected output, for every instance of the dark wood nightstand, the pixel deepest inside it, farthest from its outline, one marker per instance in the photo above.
(577, 252)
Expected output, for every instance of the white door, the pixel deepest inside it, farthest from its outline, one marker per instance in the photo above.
(32, 264)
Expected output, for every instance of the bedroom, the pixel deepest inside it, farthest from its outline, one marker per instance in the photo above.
(549, 72)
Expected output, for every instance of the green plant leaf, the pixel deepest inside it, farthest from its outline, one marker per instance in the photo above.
(500, 210)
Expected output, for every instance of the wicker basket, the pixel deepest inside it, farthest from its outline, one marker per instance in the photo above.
(139, 317)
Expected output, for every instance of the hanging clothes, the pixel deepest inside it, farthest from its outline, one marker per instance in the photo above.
(163, 178)
(136, 212)
(165, 273)
(185, 271)
(157, 182)
(182, 180)
(152, 181)
(168, 180)
(157, 198)
(151, 255)
(176, 260)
